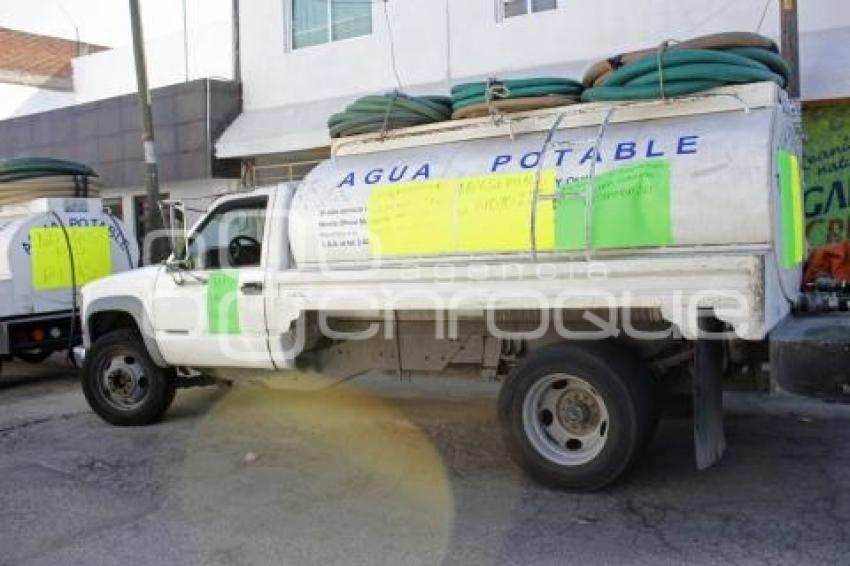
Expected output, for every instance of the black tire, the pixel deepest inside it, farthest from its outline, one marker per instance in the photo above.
(619, 377)
(159, 383)
(33, 356)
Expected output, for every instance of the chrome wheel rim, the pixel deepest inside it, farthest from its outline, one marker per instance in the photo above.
(124, 382)
(565, 419)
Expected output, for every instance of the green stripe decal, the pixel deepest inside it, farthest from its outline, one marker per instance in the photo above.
(791, 213)
(223, 302)
(630, 209)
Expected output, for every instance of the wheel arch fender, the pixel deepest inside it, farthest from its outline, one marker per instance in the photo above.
(108, 313)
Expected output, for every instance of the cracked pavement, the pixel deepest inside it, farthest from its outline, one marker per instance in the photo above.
(383, 472)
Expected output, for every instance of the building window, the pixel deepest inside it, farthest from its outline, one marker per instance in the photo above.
(314, 22)
(511, 8)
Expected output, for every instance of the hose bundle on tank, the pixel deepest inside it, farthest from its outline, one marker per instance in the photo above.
(476, 99)
(29, 178)
(673, 69)
(388, 112)
(686, 68)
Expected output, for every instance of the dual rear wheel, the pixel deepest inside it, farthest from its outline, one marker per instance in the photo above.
(576, 416)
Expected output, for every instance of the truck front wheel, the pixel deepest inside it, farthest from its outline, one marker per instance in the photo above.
(122, 384)
(576, 416)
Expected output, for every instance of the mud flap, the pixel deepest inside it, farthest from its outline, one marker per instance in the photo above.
(709, 439)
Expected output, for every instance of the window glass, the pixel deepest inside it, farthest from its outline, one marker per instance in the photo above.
(520, 7)
(515, 8)
(321, 21)
(350, 18)
(541, 5)
(309, 22)
(231, 236)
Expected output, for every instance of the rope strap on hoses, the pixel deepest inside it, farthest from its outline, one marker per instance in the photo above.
(677, 71)
(371, 114)
(481, 98)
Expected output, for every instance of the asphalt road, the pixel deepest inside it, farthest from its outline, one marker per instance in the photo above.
(386, 473)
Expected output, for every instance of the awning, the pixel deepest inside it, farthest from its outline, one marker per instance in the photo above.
(304, 126)
(280, 129)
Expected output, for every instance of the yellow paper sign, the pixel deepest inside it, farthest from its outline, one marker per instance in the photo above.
(412, 218)
(494, 213)
(490, 213)
(51, 266)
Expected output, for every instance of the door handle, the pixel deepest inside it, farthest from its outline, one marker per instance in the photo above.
(252, 288)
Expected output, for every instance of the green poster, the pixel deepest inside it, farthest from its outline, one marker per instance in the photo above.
(223, 302)
(630, 209)
(790, 207)
(826, 168)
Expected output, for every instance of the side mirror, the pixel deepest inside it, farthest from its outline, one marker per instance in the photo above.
(177, 230)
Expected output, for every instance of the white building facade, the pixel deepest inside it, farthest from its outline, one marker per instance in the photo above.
(303, 60)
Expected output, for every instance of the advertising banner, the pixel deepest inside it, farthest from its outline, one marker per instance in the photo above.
(826, 166)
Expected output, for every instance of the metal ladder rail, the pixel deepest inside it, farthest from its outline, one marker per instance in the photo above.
(591, 185)
(586, 195)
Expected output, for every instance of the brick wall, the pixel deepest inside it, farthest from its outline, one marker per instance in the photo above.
(31, 54)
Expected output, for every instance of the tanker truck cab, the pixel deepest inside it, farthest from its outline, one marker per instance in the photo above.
(226, 255)
(590, 258)
(165, 306)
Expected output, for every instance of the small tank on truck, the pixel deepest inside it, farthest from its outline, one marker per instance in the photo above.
(593, 258)
(50, 248)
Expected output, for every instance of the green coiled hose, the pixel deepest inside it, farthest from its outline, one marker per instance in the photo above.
(383, 113)
(468, 94)
(676, 70)
(687, 71)
(36, 167)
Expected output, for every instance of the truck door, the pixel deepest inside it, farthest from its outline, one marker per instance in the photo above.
(213, 315)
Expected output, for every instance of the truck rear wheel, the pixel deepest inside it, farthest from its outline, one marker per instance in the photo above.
(122, 384)
(576, 416)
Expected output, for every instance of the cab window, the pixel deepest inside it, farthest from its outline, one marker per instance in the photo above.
(231, 236)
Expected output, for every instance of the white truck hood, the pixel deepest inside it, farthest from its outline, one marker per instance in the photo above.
(138, 284)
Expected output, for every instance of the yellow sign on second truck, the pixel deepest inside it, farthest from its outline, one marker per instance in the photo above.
(51, 261)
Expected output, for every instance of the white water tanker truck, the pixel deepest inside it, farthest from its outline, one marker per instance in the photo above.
(594, 258)
(50, 248)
